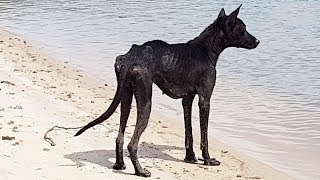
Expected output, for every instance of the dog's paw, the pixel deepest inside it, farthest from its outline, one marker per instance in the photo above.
(119, 166)
(190, 159)
(143, 172)
(211, 162)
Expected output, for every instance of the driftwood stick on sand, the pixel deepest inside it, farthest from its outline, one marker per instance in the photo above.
(52, 143)
(49, 140)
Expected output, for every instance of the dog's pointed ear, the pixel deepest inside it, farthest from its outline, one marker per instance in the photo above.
(222, 13)
(233, 17)
(236, 12)
(148, 49)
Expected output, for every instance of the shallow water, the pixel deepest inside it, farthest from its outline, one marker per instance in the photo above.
(266, 101)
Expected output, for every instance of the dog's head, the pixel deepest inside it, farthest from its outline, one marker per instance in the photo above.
(233, 30)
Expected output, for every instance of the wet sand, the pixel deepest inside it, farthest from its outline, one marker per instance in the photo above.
(37, 92)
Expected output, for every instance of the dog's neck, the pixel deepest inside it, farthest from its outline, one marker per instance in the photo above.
(212, 40)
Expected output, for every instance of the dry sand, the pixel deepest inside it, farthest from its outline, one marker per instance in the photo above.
(37, 93)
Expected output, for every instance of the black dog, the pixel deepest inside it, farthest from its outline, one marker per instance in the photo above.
(180, 71)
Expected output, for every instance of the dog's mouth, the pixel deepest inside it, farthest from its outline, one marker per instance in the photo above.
(250, 45)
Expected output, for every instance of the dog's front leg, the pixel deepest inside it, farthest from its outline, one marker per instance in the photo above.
(187, 109)
(204, 108)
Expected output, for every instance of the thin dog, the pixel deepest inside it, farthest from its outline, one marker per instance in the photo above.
(180, 71)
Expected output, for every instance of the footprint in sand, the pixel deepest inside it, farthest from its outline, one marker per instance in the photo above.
(15, 107)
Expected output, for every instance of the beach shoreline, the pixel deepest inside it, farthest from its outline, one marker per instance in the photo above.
(38, 92)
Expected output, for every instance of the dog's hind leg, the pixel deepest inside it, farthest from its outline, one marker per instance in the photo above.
(187, 109)
(126, 101)
(143, 93)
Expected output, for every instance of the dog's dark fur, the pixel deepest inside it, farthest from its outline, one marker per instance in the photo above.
(180, 71)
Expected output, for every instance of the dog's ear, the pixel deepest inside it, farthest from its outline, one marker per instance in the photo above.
(233, 17)
(222, 13)
(148, 49)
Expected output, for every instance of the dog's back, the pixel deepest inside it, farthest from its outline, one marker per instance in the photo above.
(175, 68)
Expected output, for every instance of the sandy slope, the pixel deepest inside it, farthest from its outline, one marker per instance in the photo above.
(37, 93)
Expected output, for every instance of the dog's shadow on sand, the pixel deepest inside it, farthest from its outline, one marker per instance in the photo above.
(101, 157)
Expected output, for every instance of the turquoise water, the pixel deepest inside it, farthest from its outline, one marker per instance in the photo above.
(266, 102)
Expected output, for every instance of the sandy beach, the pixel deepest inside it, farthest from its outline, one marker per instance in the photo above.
(37, 92)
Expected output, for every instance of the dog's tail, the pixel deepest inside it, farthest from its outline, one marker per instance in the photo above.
(113, 106)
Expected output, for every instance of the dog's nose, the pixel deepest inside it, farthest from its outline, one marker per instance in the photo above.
(257, 41)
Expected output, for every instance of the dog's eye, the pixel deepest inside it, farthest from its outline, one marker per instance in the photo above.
(243, 32)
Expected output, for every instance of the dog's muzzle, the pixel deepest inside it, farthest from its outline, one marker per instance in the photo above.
(257, 41)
